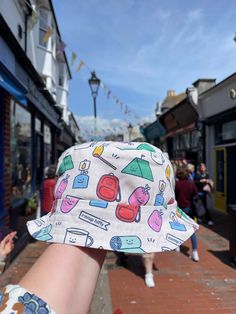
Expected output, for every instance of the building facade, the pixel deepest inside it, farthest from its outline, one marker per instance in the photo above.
(34, 115)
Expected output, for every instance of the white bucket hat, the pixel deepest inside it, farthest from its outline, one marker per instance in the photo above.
(115, 196)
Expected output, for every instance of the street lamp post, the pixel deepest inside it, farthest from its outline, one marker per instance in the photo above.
(94, 83)
(130, 128)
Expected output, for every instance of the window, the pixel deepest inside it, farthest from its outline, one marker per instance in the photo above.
(20, 146)
(61, 75)
(184, 141)
(38, 125)
(43, 27)
(47, 146)
(225, 132)
(176, 143)
(195, 139)
(229, 131)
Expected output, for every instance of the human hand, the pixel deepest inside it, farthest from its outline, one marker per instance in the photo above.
(7, 244)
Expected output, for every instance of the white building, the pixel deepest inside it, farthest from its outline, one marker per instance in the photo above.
(35, 123)
(30, 20)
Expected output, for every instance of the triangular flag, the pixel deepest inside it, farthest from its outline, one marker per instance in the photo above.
(60, 48)
(33, 20)
(47, 35)
(73, 58)
(80, 65)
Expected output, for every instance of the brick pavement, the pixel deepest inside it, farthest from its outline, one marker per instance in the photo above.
(182, 286)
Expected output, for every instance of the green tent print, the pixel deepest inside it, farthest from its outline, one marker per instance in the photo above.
(66, 164)
(147, 147)
(143, 146)
(140, 168)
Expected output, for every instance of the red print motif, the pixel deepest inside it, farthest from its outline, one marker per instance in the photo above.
(108, 188)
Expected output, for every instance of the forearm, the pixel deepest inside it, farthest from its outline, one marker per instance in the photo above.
(65, 276)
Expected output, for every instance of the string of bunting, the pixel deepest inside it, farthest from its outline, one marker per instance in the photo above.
(75, 61)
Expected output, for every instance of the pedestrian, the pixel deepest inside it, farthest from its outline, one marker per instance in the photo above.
(185, 191)
(148, 262)
(108, 204)
(48, 190)
(191, 171)
(205, 186)
(6, 247)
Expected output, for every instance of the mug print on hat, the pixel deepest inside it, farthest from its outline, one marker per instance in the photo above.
(115, 196)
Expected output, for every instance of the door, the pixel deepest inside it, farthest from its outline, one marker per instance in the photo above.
(220, 179)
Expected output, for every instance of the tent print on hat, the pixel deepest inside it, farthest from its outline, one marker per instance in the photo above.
(142, 146)
(140, 168)
(147, 147)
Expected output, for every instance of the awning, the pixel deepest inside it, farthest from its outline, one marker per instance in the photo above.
(18, 92)
(154, 131)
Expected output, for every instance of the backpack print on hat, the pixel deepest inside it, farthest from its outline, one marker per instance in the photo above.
(115, 196)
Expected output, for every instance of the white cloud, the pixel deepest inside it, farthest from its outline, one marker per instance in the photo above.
(107, 127)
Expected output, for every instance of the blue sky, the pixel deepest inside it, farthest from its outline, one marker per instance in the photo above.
(142, 48)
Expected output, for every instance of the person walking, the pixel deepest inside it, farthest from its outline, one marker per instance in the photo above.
(148, 262)
(185, 191)
(204, 185)
(48, 190)
(191, 171)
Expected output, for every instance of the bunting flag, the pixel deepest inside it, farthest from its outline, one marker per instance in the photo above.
(60, 48)
(47, 35)
(80, 65)
(73, 58)
(33, 20)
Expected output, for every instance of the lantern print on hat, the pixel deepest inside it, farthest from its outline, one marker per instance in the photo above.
(115, 196)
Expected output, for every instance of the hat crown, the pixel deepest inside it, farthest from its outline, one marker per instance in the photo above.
(137, 174)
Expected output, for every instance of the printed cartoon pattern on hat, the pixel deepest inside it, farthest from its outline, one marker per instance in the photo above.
(115, 196)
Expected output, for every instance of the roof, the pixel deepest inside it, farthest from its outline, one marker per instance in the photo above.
(171, 100)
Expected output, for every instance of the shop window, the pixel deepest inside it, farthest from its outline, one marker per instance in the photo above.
(176, 143)
(47, 146)
(195, 139)
(20, 146)
(184, 141)
(229, 131)
(38, 125)
(225, 132)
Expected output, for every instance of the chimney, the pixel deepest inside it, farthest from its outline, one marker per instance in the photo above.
(170, 93)
(204, 84)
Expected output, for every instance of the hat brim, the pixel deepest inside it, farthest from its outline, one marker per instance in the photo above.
(109, 226)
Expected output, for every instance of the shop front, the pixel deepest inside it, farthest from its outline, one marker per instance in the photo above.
(218, 107)
(184, 134)
(29, 127)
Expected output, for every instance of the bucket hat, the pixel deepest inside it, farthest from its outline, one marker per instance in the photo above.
(115, 196)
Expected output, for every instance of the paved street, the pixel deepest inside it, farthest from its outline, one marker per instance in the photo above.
(182, 286)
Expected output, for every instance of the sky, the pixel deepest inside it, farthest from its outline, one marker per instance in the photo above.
(140, 49)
